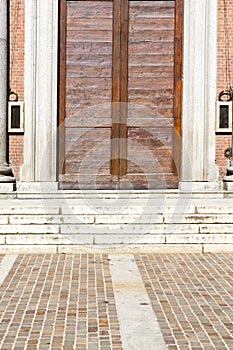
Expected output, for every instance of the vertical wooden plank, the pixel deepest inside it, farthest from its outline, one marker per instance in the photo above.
(178, 85)
(116, 86)
(124, 86)
(88, 119)
(62, 87)
(120, 87)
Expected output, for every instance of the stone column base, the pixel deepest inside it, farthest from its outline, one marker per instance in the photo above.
(190, 186)
(7, 187)
(37, 187)
(7, 180)
(228, 183)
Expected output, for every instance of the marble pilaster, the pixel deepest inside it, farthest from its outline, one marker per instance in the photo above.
(5, 169)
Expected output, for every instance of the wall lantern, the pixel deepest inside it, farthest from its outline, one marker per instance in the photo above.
(224, 117)
(15, 114)
(224, 111)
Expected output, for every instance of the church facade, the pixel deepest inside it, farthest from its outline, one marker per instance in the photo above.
(115, 94)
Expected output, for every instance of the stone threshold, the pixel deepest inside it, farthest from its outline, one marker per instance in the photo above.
(50, 190)
(117, 249)
(79, 194)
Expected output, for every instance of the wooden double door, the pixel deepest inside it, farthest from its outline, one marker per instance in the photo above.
(119, 94)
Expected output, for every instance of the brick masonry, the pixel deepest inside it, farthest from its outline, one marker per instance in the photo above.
(224, 79)
(16, 73)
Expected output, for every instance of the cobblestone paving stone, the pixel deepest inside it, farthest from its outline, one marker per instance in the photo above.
(59, 302)
(192, 297)
(67, 301)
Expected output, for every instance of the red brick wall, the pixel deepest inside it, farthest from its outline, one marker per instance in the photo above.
(222, 142)
(224, 51)
(16, 75)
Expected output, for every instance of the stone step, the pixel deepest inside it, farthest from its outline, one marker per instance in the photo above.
(117, 228)
(116, 239)
(108, 219)
(28, 210)
(31, 193)
(115, 204)
(109, 210)
(111, 219)
(215, 209)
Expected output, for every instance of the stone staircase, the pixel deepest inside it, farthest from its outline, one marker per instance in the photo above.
(138, 221)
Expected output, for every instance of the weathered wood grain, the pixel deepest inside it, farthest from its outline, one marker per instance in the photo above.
(92, 49)
(90, 35)
(152, 23)
(178, 85)
(62, 87)
(151, 82)
(122, 75)
(145, 48)
(80, 9)
(136, 181)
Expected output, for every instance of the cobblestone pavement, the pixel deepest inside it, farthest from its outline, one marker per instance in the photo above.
(192, 296)
(59, 302)
(68, 301)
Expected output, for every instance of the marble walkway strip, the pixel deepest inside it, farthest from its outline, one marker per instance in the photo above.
(5, 265)
(138, 323)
